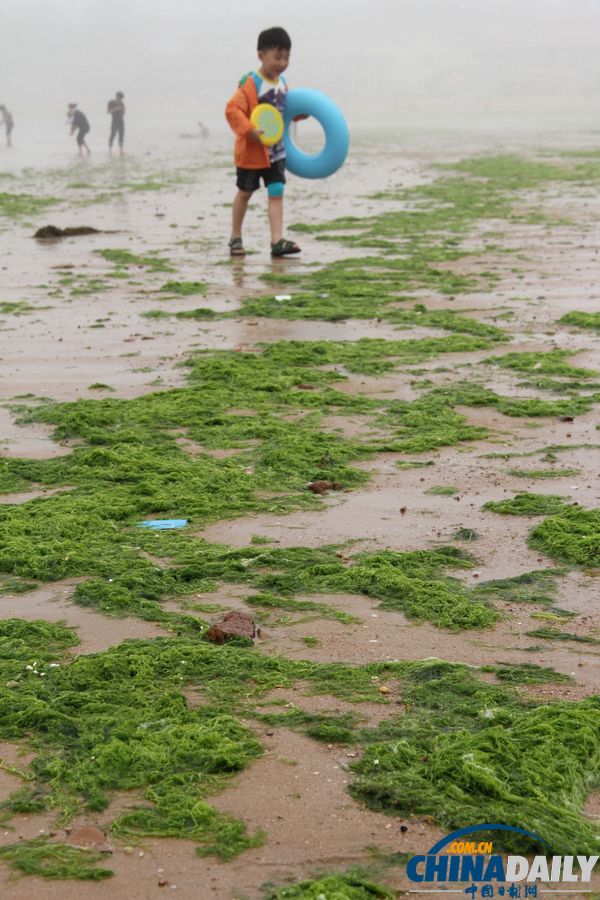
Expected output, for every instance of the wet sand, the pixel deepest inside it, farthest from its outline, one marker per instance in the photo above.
(69, 342)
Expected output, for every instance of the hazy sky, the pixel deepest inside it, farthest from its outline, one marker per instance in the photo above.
(435, 61)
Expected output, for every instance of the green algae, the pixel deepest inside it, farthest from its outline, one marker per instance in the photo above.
(537, 586)
(581, 320)
(551, 362)
(528, 504)
(466, 534)
(332, 887)
(442, 491)
(311, 640)
(359, 294)
(123, 259)
(184, 288)
(201, 312)
(271, 601)
(527, 673)
(519, 173)
(412, 582)
(17, 308)
(15, 206)
(547, 454)
(10, 482)
(118, 720)
(127, 464)
(475, 752)
(481, 188)
(47, 859)
(571, 536)
(553, 634)
(100, 386)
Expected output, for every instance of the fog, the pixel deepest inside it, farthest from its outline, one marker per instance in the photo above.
(421, 63)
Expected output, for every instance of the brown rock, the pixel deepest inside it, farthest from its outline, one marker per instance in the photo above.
(234, 624)
(321, 487)
(89, 838)
(51, 231)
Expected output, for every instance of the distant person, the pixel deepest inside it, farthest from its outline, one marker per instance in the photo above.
(8, 122)
(79, 124)
(253, 160)
(116, 108)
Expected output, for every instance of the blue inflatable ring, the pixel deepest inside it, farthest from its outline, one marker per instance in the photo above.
(306, 102)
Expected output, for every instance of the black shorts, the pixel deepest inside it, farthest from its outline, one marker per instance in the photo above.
(80, 136)
(249, 179)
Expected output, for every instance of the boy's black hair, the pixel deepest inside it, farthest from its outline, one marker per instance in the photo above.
(274, 39)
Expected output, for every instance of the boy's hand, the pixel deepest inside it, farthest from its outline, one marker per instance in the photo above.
(255, 135)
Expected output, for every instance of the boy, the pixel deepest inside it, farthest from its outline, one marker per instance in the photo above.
(79, 124)
(116, 109)
(253, 160)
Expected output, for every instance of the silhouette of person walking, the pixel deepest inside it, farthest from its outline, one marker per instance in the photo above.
(116, 108)
(8, 122)
(79, 124)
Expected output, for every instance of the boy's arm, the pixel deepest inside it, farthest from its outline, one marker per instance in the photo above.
(237, 113)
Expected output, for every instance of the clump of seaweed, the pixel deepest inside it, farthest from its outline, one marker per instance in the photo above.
(537, 586)
(527, 673)
(123, 259)
(571, 536)
(348, 886)
(47, 859)
(527, 504)
(465, 748)
(553, 634)
(582, 320)
(550, 362)
(443, 490)
(184, 288)
(15, 206)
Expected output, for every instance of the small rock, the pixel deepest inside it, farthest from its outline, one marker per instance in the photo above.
(403, 510)
(89, 837)
(384, 690)
(162, 882)
(234, 624)
(321, 487)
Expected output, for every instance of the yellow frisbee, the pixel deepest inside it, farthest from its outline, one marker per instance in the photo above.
(269, 120)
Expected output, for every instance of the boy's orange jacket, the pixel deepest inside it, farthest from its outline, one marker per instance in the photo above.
(247, 153)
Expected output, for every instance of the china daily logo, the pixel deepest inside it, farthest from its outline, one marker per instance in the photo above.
(455, 859)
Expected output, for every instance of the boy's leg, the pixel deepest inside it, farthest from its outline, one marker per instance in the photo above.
(275, 188)
(276, 218)
(240, 205)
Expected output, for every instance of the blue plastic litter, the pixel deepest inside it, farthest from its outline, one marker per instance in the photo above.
(160, 524)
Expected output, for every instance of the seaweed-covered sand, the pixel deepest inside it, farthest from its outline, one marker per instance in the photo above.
(387, 454)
